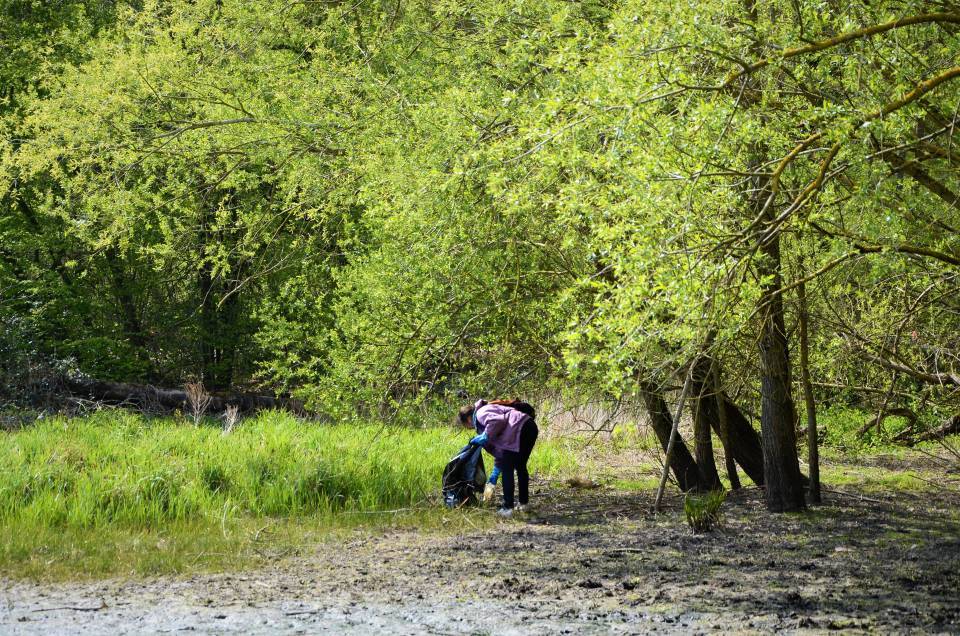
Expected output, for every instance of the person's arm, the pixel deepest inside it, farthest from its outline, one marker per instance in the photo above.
(481, 437)
(490, 487)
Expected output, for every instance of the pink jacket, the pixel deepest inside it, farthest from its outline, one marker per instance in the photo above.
(502, 425)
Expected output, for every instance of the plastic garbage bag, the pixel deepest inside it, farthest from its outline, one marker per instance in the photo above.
(464, 477)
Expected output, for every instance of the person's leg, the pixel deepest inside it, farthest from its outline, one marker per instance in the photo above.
(528, 438)
(502, 468)
(508, 464)
(523, 484)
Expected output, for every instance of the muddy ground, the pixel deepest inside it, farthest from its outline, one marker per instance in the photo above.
(594, 561)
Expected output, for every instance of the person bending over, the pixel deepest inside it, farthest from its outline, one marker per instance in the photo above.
(509, 435)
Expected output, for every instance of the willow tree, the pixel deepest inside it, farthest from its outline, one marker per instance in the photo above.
(703, 232)
(464, 284)
(199, 171)
(38, 41)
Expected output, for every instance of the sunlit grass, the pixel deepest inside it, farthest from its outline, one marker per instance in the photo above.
(117, 492)
(641, 484)
(46, 553)
(873, 479)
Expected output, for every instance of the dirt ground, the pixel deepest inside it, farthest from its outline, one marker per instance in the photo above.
(595, 561)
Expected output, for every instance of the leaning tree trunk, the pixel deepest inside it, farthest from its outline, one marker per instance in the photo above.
(724, 433)
(743, 441)
(703, 449)
(781, 470)
(681, 461)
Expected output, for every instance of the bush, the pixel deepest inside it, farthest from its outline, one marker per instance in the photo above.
(839, 427)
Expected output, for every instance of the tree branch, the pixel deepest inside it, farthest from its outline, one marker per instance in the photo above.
(945, 17)
(864, 247)
(923, 376)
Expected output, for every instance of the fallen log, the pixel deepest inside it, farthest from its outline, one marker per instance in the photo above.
(149, 398)
(950, 427)
(879, 419)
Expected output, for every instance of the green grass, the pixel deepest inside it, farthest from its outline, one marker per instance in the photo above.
(848, 458)
(640, 484)
(116, 492)
(874, 479)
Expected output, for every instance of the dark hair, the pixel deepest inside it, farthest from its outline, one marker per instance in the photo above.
(464, 415)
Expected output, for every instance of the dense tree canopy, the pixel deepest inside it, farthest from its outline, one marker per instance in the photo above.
(375, 202)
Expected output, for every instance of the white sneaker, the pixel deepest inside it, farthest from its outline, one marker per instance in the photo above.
(522, 508)
(506, 513)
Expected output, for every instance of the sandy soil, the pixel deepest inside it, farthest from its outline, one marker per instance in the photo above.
(588, 562)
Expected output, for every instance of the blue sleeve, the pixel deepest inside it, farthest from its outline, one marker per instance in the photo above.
(494, 475)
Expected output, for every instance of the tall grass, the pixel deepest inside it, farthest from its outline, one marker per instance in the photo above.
(117, 493)
(120, 468)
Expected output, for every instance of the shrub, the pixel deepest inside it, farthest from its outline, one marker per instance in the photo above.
(703, 510)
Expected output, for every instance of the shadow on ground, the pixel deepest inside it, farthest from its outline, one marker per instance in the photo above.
(854, 562)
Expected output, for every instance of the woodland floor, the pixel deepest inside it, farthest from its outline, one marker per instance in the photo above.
(591, 561)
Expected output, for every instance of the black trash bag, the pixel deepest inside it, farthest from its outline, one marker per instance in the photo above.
(463, 477)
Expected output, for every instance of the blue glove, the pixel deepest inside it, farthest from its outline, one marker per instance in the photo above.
(480, 439)
(494, 475)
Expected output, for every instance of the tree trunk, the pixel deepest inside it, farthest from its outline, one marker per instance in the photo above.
(703, 449)
(781, 470)
(122, 289)
(681, 461)
(222, 327)
(813, 451)
(724, 426)
(217, 337)
(743, 440)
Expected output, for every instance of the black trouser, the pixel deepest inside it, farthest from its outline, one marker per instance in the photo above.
(510, 461)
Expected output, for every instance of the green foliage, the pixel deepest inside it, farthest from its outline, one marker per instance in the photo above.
(841, 427)
(188, 187)
(38, 39)
(702, 511)
(336, 201)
